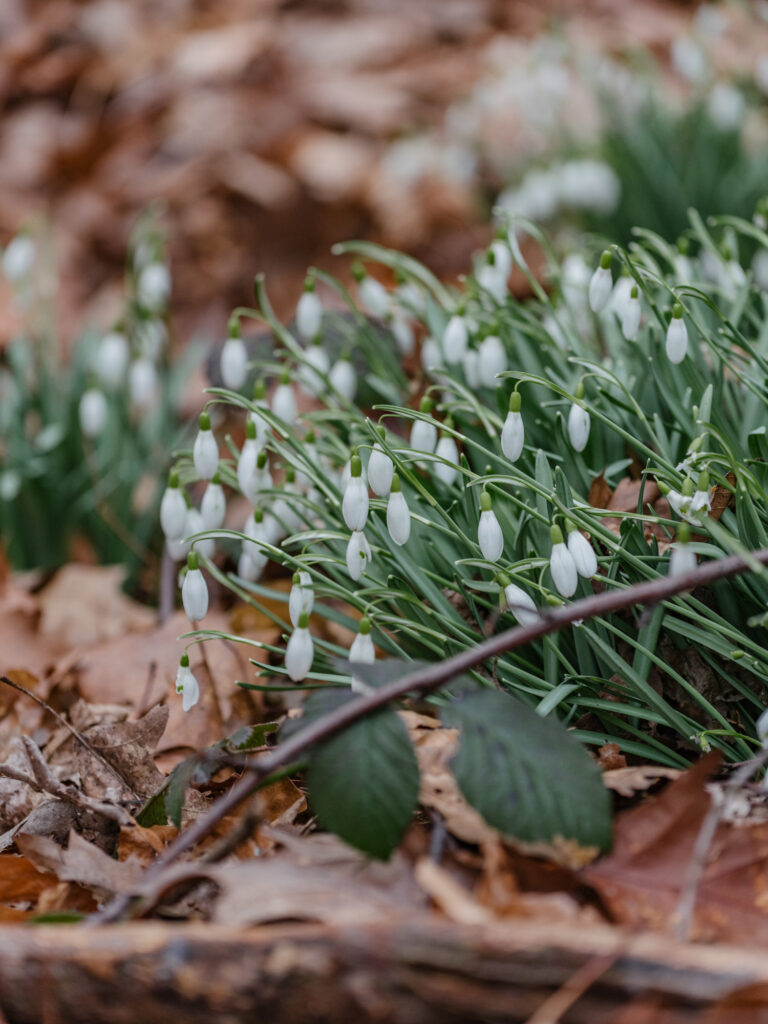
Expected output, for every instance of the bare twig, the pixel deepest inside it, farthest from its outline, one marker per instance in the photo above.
(698, 863)
(425, 680)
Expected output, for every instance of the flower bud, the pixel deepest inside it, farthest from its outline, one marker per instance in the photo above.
(681, 558)
(112, 359)
(374, 297)
(18, 258)
(354, 506)
(213, 507)
(343, 377)
(677, 336)
(92, 412)
(309, 312)
(142, 383)
(398, 514)
(578, 422)
(284, 400)
(234, 363)
(300, 652)
(424, 432)
(205, 451)
(519, 603)
(630, 320)
(562, 565)
(301, 598)
(362, 649)
(194, 524)
(402, 331)
(446, 449)
(358, 555)
(186, 684)
(194, 591)
(316, 368)
(601, 284)
(491, 360)
(489, 535)
(582, 552)
(173, 509)
(513, 431)
(455, 340)
(380, 469)
(153, 287)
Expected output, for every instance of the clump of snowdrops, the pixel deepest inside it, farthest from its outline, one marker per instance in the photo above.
(84, 434)
(462, 505)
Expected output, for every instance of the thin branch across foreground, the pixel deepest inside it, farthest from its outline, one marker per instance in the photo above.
(421, 682)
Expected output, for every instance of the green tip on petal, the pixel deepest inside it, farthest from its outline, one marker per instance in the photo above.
(515, 401)
(395, 485)
(580, 390)
(303, 620)
(485, 502)
(261, 460)
(365, 625)
(233, 328)
(204, 421)
(296, 579)
(605, 260)
(258, 515)
(425, 405)
(683, 533)
(309, 283)
(634, 292)
(702, 484)
(184, 661)
(556, 534)
(677, 311)
(355, 466)
(193, 561)
(173, 478)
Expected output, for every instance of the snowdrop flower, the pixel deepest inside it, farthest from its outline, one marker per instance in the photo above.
(283, 511)
(574, 279)
(677, 336)
(431, 356)
(354, 505)
(630, 320)
(725, 106)
(194, 592)
(186, 684)
(250, 565)
(151, 339)
(470, 364)
(18, 258)
(491, 360)
(681, 557)
(177, 548)
(300, 652)
(581, 551)
(246, 462)
(518, 602)
(455, 340)
(154, 287)
(92, 412)
(689, 60)
(343, 377)
(315, 369)
(489, 535)
(258, 529)
(398, 515)
(173, 509)
(194, 524)
(213, 507)
(411, 297)
(112, 359)
(513, 431)
(601, 284)
(362, 649)
(502, 258)
(701, 500)
(561, 565)
(284, 400)
(358, 555)
(301, 598)
(261, 426)
(142, 383)
(374, 297)
(578, 421)
(234, 361)
(491, 278)
(446, 449)
(424, 432)
(205, 451)
(620, 295)
(380, 469)
(402, 332)
(309, 312)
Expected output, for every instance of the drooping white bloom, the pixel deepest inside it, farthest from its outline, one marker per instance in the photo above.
(620, 295)
(151, 338)
(411, 297)
(455, 340)
(358, 555)
(186, 684)
(284, 401)
(213, 507)
(689, 59)
(677, 336)
(582, 552)
(725, 106)
(309, 312)
(354, 505)
(205, 451)
(259, 529)
(398, 515)
(489, 535)
(513, 431)
(601, 284)
(154, 287)
(234, 363)
(283, 511)
(173, 509)
(491, 360)
(142, 383)
(177, 548)
(471, 367)
(374, 297)
(316, 368)
(446, 449)
(431, 356)
(343, 377)
(194, 591)
(578, 422)
(112, 357)
(261, 426)
(492, 279)
(520, 603)
(402, 332)
(681, 558)
(630, 320)
(18, 258)
(701, 500)
(380, 470)
(502, 258)
(301, 598)
(424, 432)
(194, 524)
(562, 566)
(300, 652)
(92, 412)
(250, 565)
(362, 649)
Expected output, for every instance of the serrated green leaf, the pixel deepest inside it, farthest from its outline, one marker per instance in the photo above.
(364, 783)
(525, 774)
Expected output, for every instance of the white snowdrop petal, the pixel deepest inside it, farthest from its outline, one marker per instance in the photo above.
(398, 518)
(424, 435)
(299, 654)
(403, 334)
(600, 288)
(195, 524)
(563, 569)
(343, 377)
(154, 287)
(194, 595)
(173, 513)
(455, 340)
(301, 599)
(380, 470)
(205, 454)
(492, 360)
(583, 554)
(446, 449)
(681, 559)
(489, 536)
(677, 340)
(630, 321)
(284, 403)
(374, 297)
(358, 555)
(92, 412)
(354, 505)
(234, 363)
(309, 315)
(112, 359)
(521, 605)
(213, 507)
(187, 686)
(362, 649)
(142, 383)
(513, 436)
(578, 427)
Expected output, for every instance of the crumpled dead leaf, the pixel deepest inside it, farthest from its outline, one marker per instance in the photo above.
(82, 862)
(638, 777)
